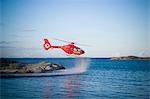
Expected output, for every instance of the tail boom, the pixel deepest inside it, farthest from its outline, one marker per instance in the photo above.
(47, 45)
(55, 46)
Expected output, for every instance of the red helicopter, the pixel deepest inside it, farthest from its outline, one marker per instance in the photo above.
(69, 48)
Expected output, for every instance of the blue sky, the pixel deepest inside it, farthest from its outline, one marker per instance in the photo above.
(111, 27)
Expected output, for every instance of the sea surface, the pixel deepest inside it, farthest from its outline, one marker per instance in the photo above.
(99, 79)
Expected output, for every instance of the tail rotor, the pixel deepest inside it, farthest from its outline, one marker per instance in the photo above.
(47, 44)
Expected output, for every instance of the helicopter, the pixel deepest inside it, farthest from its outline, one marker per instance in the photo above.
(70, 48)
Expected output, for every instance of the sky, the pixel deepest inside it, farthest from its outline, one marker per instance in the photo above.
(110, 27)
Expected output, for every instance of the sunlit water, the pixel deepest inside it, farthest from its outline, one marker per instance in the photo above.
(104, 79)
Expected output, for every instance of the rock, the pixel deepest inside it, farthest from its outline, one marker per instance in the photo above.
(57, 67)
(41, 67)
(12, 71)
(48, 68)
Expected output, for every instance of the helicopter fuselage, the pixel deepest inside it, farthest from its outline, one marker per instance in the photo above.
(69, 49)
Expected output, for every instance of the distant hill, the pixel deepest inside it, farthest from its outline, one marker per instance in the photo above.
(130, 58)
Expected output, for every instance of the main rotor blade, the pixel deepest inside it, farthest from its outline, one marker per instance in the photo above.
(71, 42)
(83, 44)
(62, 40)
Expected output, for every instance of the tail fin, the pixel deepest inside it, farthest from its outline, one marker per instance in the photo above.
(47, 44)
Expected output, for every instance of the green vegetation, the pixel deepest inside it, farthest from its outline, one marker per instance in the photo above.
(9, 64)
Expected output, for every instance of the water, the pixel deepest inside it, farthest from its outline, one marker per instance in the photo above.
(103, 79)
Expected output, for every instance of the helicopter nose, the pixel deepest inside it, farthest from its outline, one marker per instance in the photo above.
(82, 52)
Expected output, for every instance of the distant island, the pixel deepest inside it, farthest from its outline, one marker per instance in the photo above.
(130, 58)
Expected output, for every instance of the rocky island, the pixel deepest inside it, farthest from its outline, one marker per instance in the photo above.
(130, 58)
(10, 66)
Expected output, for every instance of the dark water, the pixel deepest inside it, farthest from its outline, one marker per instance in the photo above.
(104, 79)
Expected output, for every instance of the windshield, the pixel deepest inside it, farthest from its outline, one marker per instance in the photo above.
(76, 49)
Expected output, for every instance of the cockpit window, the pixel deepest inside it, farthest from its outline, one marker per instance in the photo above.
(76, 49)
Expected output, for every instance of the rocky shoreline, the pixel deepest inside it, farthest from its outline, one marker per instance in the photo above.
(9, 66)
